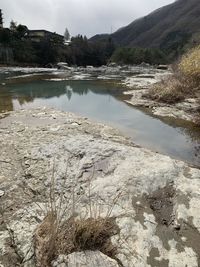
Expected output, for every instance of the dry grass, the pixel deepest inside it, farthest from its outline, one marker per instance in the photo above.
(44, 241)
(72, 236)
(170, 91)
(184, 83)
(87, 234)
(173, 90)
(190, 64)
(63, 231)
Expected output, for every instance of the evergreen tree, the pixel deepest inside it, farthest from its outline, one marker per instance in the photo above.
(66, 35)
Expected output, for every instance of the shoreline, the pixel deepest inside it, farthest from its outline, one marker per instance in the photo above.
(137, 87)
(135, 82)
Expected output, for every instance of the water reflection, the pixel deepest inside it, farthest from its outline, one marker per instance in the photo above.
(26, 93)
(6, 103)
(101, 101)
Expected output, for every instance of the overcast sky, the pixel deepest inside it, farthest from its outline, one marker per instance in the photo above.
(86, 17)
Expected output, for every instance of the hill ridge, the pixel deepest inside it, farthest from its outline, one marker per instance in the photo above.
(165, 27)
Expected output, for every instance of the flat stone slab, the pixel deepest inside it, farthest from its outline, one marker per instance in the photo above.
(153, 198)
(85, 259)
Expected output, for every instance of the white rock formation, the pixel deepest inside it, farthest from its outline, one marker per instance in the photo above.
(155, 199)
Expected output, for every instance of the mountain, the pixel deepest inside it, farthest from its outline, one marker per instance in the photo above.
(166, 28)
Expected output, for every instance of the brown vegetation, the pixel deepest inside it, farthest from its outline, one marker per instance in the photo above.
(185, 82)
(72, 236)
(174, 89)
(63, 232)
(88, 234)
(190, 64)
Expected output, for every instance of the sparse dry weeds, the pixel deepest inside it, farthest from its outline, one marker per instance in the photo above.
(173, 90)
(72, 236)
(87, 234)
(190, 64)
(63, 231)
(184, 83)
(168, 91)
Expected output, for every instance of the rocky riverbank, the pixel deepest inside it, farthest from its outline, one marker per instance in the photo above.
(135, 82)
(153, 199)
(138, 87)
(111, 72)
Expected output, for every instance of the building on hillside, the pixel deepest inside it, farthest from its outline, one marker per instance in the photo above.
(40, 35)
(1, 19)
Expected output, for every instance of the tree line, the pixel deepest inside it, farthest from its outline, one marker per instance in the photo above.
(79, 51)
(27, 51)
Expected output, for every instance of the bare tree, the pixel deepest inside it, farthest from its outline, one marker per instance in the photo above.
(13, 25)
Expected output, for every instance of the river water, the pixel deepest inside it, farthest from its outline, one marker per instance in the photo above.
(100, 101)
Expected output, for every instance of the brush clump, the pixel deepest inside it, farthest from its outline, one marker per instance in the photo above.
(184, 83)
(73, 235)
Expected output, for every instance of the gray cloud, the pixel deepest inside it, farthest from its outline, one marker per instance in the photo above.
(86, 17)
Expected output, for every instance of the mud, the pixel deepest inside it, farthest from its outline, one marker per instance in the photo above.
(161, 203)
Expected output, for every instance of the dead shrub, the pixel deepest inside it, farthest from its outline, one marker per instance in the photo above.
(190, 64)
(88, 234)
(185, 81)
(169, 91)
(44, 241)
(63, 232)
(72, 236)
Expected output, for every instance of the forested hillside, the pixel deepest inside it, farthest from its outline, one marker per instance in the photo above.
(169, 28)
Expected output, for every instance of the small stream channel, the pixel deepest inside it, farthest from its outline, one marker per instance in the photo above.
(102, 101)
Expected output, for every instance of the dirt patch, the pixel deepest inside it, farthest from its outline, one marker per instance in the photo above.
(152, 261)
(161, 203)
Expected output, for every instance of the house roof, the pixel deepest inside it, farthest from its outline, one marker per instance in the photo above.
(46, 32)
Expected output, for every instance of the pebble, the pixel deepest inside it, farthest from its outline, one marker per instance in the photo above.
(184, 239)
(177, 227)
(2, 193)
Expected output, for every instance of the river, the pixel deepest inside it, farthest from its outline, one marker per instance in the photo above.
(99, 100)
